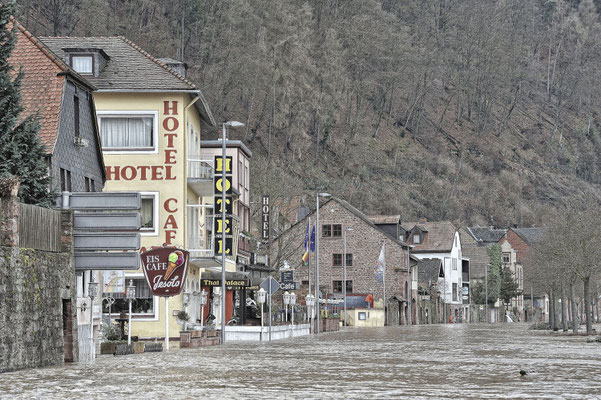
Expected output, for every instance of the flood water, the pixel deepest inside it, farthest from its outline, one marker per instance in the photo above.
(429, 361)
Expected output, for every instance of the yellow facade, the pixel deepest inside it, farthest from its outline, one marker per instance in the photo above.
(158, 172)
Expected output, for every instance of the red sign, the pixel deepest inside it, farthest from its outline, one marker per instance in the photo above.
(165, 269)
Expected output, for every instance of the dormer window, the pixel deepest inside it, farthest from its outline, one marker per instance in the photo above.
(83, 64)
(417, 238)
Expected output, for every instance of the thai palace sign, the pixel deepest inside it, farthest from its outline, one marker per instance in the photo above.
(165, 269)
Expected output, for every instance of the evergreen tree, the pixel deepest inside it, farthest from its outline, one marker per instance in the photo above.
(509, 287)
(21, 152)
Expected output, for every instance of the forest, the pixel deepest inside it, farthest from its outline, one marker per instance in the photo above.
(475, 111)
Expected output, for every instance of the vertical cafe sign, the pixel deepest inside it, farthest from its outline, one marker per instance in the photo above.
(165, 269)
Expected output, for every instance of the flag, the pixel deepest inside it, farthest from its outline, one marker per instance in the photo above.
(312, 245)
(379, 268)
(305, 257)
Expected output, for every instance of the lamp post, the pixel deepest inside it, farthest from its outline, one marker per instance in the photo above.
(309, 299)
(317, 234)
(286, 302)
(233, 124)
(261, 300)
(92, 292)
(486, 292)
(292, 303)
(203, 303)
(130, 295)
(344, 273)
(185, 303)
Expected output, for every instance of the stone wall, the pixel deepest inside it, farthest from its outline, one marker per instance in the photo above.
(38, 325)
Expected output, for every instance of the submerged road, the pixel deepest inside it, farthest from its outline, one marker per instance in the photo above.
(428, 361)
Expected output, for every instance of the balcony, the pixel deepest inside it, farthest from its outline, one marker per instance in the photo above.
(200, 171)
(201, 236)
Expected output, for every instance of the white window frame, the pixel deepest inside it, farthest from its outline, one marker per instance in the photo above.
(155, 129)
(90, 56)
(155, 214)
(155, 301)
(419, 238)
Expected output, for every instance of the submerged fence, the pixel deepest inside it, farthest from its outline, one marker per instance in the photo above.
(39, 228)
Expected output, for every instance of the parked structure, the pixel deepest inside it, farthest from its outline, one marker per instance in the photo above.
(442, 240)
(151, 119)
(364, 245)
(522, 240)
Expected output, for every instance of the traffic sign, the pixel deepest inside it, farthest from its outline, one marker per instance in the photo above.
(270, 285)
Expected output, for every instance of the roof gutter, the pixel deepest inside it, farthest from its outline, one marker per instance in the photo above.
(203, 107)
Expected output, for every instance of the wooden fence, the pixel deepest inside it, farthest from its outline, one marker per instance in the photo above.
(39, 228)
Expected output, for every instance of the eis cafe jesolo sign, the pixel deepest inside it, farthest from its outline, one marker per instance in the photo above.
(165, 269)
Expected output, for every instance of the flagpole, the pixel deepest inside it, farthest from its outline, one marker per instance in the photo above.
(309, 264)
(384, 280)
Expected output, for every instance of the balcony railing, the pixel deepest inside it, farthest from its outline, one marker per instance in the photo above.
(200, 167)
(199, 240)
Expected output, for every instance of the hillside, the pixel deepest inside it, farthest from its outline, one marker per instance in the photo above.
(477, 111)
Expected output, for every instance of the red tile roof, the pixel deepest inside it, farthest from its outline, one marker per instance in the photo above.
(42, 86)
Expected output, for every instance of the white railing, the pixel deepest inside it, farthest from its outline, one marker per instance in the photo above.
(200, 167)
(199, 241)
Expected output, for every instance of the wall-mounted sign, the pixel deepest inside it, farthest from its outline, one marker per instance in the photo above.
(218, 184)
(165, 269)
(219, 245)
(287, 276)
(238, 283)
(265, 217)
(219, 165)
(219, 224)
(228, 204)
(114, 281)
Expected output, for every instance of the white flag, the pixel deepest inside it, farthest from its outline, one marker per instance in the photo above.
(382, 258)
(379, 269)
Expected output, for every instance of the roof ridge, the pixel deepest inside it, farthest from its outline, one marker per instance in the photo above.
(37, 43)
(156, 61)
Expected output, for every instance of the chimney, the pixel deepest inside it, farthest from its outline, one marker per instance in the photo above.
(423, 220)
(175, 65)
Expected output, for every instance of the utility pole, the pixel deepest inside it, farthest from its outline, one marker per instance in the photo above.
(486, 291)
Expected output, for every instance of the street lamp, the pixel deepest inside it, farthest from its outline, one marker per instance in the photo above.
(185, 302)
(233, 124)
(344, 273)
(92, 292)
(292, 303)
(261, 300)
(203, 303)
(286, 302)
(130, 295)
(317, 234)
(310, 300)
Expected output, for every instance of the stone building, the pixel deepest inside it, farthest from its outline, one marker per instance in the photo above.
(364, 242)
(38, 324)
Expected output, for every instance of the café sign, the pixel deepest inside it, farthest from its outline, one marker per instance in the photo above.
(165, 269)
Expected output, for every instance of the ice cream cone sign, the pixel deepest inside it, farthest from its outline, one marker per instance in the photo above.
(165, 269)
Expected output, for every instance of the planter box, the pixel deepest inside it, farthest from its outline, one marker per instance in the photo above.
(110, 347)
(153, 347)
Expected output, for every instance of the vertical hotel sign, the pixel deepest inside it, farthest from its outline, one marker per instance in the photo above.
(265, 217)
(219, 186)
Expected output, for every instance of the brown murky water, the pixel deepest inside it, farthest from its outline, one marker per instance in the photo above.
(430, 361)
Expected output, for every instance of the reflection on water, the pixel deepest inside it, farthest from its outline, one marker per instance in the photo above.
(428, 361)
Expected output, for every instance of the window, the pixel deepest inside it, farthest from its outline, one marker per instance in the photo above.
(128, 131)
(143, 304)
(83, 64)
(337, 230)
(349, 259)
(337, 286)
(506, 258)
(454, 264)
(326, 230)
(76, 115)
(65, 177)
(149, 213)
(417, 239)
(455, 292)
(337, 260)
(89, 184)
(240, 173)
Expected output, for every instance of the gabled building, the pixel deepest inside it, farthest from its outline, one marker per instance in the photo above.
(364, 242)
(522, 240)
(62, 98)
(441, 240)
(430, 272)
(151, 120)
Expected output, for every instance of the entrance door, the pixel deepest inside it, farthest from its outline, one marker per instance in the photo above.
(67, 330)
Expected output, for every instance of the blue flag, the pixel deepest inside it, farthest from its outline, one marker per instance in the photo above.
(312, 246)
